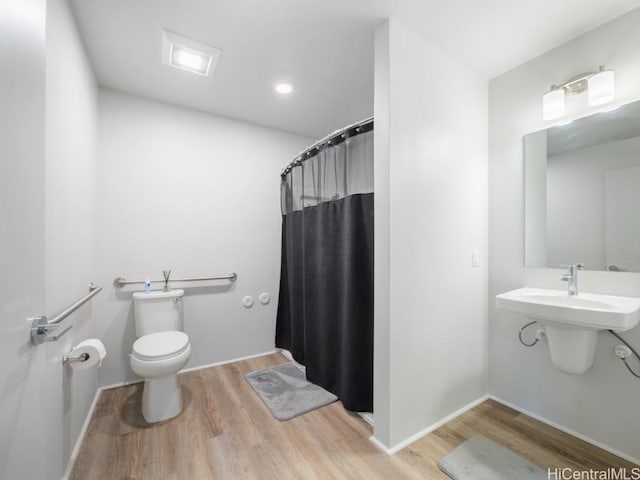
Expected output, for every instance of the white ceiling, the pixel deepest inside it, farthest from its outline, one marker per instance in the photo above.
(323, 47)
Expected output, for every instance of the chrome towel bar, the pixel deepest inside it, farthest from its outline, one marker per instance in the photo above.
(41, 327)
(122, 281)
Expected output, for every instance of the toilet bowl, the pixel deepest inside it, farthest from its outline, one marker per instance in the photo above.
(160, 352)
(157, 358)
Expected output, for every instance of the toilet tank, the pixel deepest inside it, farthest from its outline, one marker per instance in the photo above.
(158, 311)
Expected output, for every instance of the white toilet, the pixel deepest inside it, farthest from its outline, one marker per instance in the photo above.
(160, 351)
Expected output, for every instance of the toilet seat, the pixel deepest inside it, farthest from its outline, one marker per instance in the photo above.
(161, 346)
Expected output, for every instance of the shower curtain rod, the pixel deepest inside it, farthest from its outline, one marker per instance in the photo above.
(334, 138)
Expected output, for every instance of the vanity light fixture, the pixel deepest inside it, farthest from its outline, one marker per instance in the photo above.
(600, 88)
(186, 54)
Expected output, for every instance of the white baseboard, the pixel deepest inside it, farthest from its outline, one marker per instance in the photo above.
(375, 441)
(380, 445)
(122, 384)
(287, 354)
(564, 429)
(81, 435)
(191, 369)
(422, 433)
(367, 417)
(225, 362)
(83, 431)
(429, 429)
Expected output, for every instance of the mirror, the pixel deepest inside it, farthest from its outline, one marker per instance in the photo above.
(582, 192)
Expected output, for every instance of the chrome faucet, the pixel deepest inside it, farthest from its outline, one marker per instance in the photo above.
(571, 277)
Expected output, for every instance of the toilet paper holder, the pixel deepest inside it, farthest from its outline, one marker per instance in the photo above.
(83, 357)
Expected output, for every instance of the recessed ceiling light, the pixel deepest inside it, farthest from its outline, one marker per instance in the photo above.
(189, 59)
(284, 88)
(186, 54)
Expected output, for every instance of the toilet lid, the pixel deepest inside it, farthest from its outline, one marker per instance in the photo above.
(157, 346)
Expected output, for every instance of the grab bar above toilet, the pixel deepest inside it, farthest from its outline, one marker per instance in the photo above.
(122, 281)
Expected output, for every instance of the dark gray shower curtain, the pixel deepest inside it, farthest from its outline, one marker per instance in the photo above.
(325, 305)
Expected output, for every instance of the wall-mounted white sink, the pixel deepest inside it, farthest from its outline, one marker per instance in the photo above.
(586, 310)
(572, 322)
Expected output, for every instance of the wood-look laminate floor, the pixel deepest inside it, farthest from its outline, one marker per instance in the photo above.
(225, 432)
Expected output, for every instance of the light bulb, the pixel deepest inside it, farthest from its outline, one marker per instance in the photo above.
(553, 104)
(601, 88)
(190, 59)
(284, 88)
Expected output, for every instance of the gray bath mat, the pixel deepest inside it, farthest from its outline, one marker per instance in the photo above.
(481, 459)
(286, 392)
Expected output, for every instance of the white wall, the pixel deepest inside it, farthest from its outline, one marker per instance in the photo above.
(602, 403)
(199, 195)
(576, 191)
(381, 261)
(70, 168)
(46, 209)
(23, 416)
(435, 198)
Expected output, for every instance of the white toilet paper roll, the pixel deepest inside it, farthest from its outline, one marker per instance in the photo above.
(94, 348)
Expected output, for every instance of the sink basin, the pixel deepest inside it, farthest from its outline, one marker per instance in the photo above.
(572, 322)
(585, 311)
